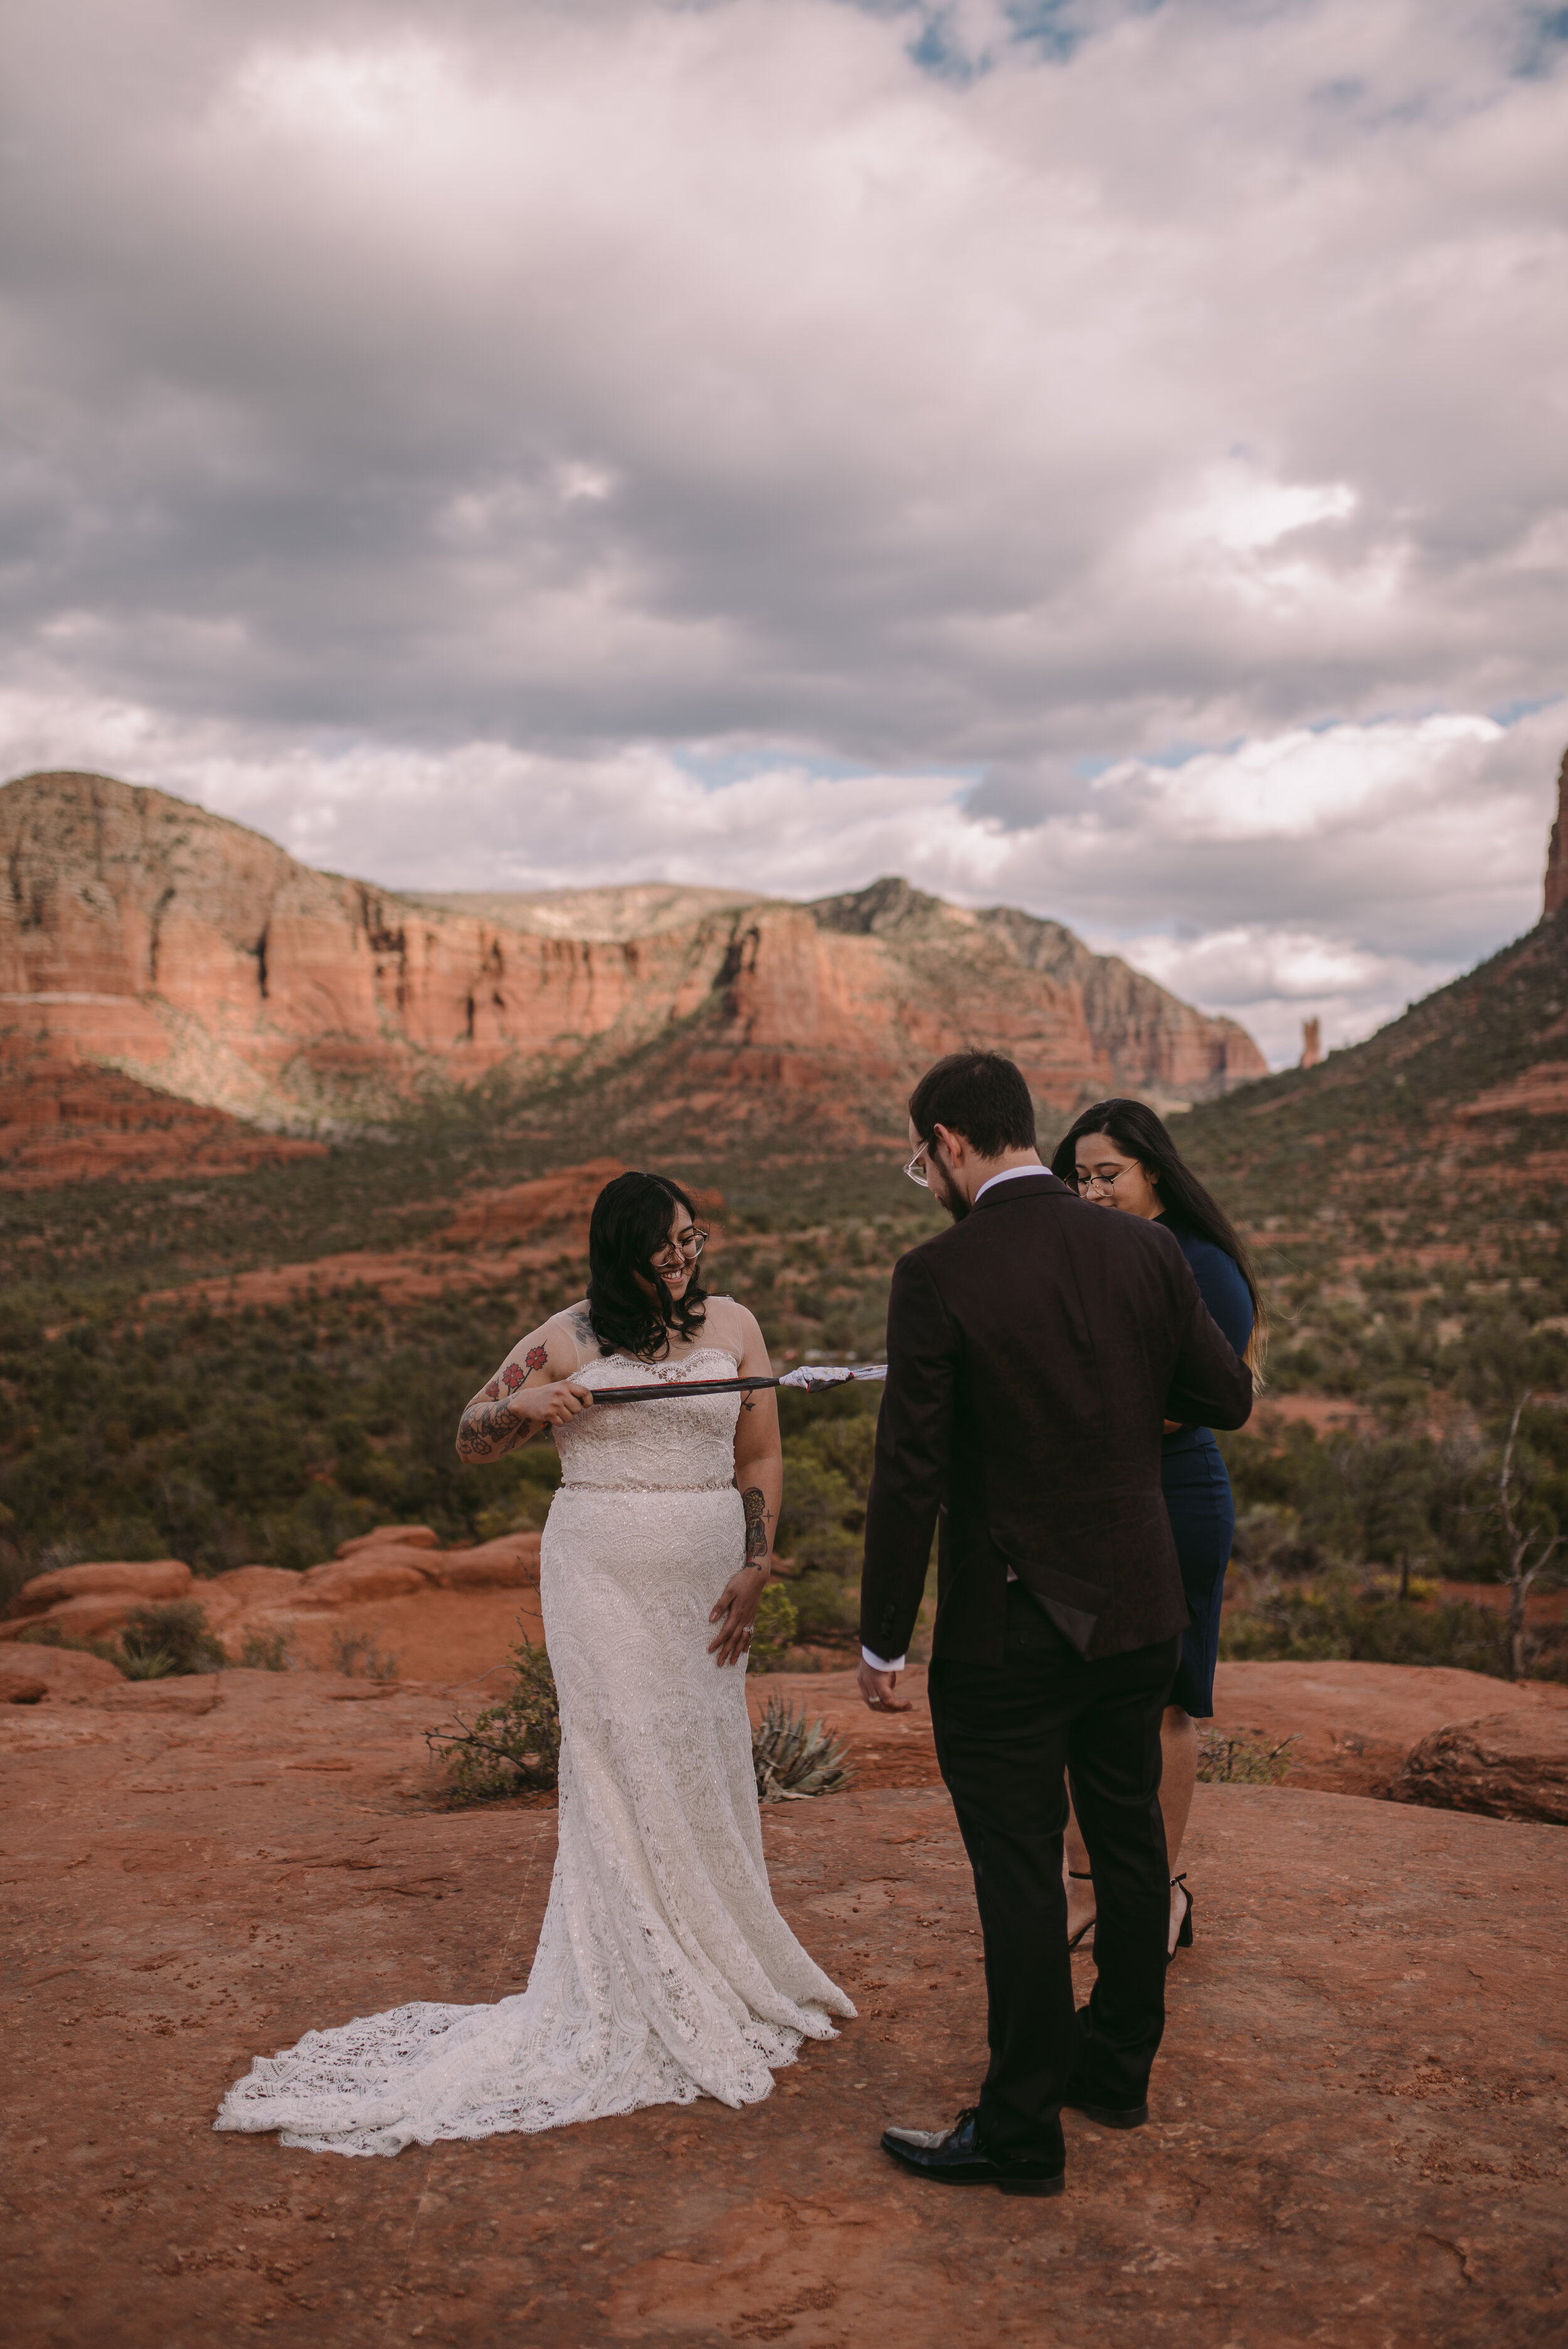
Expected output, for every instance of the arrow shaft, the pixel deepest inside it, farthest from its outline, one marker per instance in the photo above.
(680, 1387)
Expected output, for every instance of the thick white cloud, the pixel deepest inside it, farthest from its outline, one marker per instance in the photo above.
(435, 433)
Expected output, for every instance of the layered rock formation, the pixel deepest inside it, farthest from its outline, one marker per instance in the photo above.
(64, 1119)
(197, 956)
(1510, 1765)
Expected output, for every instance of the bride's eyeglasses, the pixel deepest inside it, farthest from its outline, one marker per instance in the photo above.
(686, 1251)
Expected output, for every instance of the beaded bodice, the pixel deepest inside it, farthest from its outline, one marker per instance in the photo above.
(665, 1445)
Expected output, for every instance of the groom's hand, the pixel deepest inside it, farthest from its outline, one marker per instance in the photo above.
(877, 1688)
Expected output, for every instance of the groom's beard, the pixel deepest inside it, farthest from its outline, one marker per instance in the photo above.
(949, 1194)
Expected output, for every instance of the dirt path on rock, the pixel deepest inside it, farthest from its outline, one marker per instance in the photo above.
(1359, 2112)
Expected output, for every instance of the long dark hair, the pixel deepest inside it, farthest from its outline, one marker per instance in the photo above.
(1133, 1126)
(630, 1225)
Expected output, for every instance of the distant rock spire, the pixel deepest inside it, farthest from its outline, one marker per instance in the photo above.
(1311, 1042)
(1557, 849)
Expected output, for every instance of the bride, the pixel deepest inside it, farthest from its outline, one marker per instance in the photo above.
(663, 1972)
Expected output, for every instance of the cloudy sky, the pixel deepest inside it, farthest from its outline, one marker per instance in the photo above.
(1107, 457)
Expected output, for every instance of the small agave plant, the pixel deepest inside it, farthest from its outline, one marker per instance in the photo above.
(795, 1758)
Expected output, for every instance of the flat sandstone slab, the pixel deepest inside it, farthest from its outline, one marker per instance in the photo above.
(1359, 2110)
(1354, 1723)
(1351, 1724)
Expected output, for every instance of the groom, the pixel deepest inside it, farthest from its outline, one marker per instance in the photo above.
(1033, 1353)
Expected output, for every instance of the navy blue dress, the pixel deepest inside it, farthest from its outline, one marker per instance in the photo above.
(1197, 1490)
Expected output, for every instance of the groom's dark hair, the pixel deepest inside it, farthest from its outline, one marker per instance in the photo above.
(982, 1096)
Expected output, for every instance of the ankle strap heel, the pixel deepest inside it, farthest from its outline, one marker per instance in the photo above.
(1184, 1936)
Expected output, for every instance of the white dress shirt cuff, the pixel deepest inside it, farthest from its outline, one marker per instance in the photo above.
(884, 1663)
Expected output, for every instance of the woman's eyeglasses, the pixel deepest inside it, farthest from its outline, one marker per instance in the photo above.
(686, 1251)
(1082, 1183)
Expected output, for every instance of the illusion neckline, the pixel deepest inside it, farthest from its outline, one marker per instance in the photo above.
(669, 1362)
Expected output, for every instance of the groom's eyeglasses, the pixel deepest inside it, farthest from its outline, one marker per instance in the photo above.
(686, 1251)
(916, 1171)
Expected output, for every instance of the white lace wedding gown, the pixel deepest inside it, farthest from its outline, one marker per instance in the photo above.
(663, 1972)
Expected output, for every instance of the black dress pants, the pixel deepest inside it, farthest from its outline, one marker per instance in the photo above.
(1004, 1737)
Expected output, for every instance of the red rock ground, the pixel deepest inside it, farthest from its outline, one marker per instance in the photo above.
(1359, 2111)
(1352, 1724)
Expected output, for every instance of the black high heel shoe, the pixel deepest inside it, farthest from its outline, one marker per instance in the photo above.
(1184, 1934)
(1082, 1876)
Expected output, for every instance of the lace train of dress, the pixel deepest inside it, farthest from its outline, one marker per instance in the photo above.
(663, 1972)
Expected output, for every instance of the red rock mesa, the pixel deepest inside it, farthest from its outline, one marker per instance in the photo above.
(141, 933)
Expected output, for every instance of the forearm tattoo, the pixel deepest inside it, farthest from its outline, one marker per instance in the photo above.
(755, 1508)
(484, 1432)
(489, 1428)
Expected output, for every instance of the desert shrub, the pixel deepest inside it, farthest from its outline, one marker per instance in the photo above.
(358, 1655)
(827, 1478)
(820, 1523)
(1335, 1618)
(149, 1664)
(795, 1758)
(1390, 1499)
(1240, 1760)
(1547, 1654)
(510, 1747)
(268, 1436)
(826, 1606)
(265, 1651)
(171, 1637)
(774, 1629)
(15, 1569)
(1269, 1540)
(847, 1445)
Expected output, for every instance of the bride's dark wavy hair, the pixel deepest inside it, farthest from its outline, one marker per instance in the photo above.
(1134, 1127)
(630, 1225)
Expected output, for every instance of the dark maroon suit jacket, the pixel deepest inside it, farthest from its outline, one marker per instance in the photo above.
(1032, 1352)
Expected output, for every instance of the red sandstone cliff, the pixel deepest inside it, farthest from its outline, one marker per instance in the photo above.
(141, 932)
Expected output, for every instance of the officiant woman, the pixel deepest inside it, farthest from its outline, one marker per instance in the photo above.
(1119, 1154)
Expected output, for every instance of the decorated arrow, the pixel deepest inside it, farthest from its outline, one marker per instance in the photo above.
(811, 1378)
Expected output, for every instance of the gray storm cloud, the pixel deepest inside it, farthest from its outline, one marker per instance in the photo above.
(897, 385)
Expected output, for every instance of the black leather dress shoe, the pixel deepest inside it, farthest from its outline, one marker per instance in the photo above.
(959, 2157)
(1117, 2116)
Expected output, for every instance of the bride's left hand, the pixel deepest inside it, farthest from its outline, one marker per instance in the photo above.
(735, 1613)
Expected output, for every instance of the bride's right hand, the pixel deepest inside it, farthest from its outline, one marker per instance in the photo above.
(553, 1404)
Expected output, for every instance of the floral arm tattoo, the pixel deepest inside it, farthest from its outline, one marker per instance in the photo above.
(485, 1432)
(488, 1428)
(755, 1508)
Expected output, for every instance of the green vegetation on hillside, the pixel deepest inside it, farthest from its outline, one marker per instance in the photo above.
(269, 1435)
(1414, 1258)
